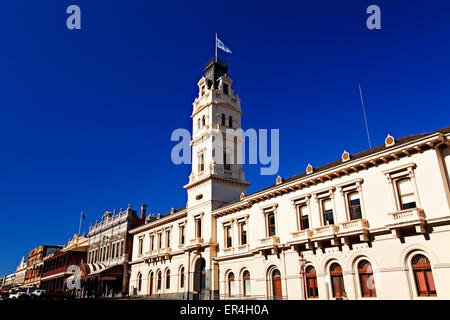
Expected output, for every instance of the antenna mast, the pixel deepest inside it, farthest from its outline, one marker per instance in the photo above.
(365, 117)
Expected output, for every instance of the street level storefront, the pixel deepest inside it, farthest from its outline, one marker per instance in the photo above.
(57, 268)
(98, 280)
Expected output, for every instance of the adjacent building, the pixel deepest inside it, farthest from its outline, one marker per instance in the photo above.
(61, 265)
(372, 225)
(35, 264)
(20, 273)
(106, 273)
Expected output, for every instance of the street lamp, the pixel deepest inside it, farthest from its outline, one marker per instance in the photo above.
(302, 272)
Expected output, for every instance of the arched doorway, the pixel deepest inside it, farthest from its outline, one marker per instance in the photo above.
(199, 279)
(150, 283)
(276, 285)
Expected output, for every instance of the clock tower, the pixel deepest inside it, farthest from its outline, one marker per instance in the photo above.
(217, 175)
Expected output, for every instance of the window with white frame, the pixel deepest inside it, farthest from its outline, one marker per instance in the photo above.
(271, 224)
(140, 245)
(327, 212)
(246, 283)
(231, 285)
(303, 216)
(159, 240)
(198, 226)
(182, 236)
(243, 233)
(354, 205)
(228, 236)
(152, 242)
(201, 162)
(405, 193)
(168, 238)
(403, 183)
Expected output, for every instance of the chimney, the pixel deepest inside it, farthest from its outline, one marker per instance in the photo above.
(143, 210)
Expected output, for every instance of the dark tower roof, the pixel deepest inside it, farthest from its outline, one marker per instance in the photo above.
(215, 68)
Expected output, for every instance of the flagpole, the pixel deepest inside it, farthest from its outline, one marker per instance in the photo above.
(81, 218)
(216, 48)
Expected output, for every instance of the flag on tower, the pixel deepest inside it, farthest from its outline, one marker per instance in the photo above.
(83, 216)
(222, 46)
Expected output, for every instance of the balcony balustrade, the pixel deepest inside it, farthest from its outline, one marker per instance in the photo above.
(354, 227)
(407, 218)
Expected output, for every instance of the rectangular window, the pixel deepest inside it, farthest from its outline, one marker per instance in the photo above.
(168, 239)
(226, 161)
(271, 224)
(228, 238)
(181, 234)
(201, 162)
(140, 245)
(406, 194)
(225, 88)
(243, 232)
(151, 244)
(159, 240)
(354, 206)
(198, 228)
(303, 216)
(327, 209)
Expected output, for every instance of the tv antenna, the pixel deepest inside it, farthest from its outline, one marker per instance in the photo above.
(365, 116)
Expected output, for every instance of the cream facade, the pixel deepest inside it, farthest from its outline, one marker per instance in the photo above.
(374, 225)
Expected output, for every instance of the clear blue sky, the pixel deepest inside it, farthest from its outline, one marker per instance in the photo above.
(86, 116)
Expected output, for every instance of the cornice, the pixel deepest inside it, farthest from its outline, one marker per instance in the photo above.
(156, 223)
(340, 170)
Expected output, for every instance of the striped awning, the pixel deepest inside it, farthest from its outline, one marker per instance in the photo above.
(94, 268)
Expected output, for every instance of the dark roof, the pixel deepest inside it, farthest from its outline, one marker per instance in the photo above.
(398, 142)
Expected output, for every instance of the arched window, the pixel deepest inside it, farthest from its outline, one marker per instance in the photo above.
(159, 280)
(276, 285)
(423, 276)
(139, 282)
(182, 277)
(199, 123)
(223, 119)
(150, 283)
(168, 279)
(366, 279)
(337, 281)
(246, 281)
(311, 282)
(406, 194)
(203, 121)
(230, 121)
(231, 284)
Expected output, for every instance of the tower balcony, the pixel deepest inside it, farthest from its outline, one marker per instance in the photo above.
(214, 96)
(406, 219)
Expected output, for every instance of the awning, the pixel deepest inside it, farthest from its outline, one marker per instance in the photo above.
(93, 267)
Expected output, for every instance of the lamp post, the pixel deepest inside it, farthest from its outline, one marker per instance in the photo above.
(302, 272)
